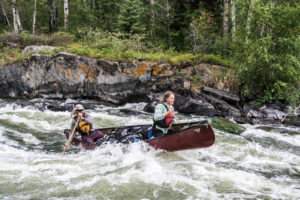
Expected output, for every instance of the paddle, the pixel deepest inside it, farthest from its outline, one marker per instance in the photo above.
(176, 120)
(70, 137)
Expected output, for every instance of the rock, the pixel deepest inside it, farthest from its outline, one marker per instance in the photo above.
(292, 120)
(37, 49)
(222, 106)
(150, 107)
(271, 113)
(265, 112)
(185, 105)
(187, 85)
(222, 94)
(190, 106)
(225, 125)
(12, 86)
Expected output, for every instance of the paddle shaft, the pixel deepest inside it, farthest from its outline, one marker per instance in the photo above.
(175, 118)
(70, 137)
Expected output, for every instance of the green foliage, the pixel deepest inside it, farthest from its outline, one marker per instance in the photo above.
(10, 56)
(216, 60)
(25, 38)
(268, 62)
(132, 17)
(52, 53)
(61, 38)
(263, 37)
(202, 32)
(183, 58)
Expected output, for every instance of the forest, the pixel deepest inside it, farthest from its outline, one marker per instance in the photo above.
(259, 40)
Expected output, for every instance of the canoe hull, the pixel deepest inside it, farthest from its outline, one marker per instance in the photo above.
(192, 138)
(197, 136)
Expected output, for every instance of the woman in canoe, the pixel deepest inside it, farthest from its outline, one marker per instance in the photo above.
(84, 124)
(164, 115)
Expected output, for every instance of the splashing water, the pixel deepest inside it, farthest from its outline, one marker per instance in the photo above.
(255, 165)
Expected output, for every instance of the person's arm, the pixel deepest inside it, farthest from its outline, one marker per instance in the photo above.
(159, 112)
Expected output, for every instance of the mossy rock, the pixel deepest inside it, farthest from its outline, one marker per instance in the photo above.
(225, 125)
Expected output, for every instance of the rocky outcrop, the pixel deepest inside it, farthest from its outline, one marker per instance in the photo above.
(68, 75)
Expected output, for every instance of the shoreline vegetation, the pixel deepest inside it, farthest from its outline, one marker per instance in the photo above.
(258, 40)
(112, 49)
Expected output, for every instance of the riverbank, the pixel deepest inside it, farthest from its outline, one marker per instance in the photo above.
(66, 75)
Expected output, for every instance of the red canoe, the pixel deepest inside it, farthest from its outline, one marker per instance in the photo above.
(190, 135)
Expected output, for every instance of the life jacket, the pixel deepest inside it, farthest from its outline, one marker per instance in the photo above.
(83, 127)
(165, 122)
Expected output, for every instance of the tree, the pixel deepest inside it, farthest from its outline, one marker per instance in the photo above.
(5, 18)
(225, 19)
(233, 18)
(132, 17)
(152, 2)
(16, 17)
(53, 15)
(66, 13)
(34, 18)
(268, 63)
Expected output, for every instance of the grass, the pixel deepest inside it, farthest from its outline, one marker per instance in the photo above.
(100, 45)
(11, 56)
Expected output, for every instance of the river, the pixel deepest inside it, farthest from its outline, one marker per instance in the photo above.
(253, 165)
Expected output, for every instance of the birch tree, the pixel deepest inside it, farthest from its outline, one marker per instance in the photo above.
(66, 13)
(4, 13)
(233, 19)
(225, 18)
(152, 2)
(34, 18)
(16, 17)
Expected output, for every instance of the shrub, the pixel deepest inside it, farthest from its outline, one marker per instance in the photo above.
(10, 56)
(13, 37)
(182, 58)
(61, 38)
(217, 60)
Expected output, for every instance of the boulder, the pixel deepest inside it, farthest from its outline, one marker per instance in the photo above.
(227, 96)
(37, 49)
(222, 106)
(225, 125)
(268, 112)
(191, 106)
(292, 120)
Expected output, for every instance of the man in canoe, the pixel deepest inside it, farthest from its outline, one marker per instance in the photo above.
(84, 125)
(164, 115)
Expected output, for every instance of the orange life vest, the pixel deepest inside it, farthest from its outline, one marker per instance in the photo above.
(84, 127)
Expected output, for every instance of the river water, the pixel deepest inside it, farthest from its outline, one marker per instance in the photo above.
(254, 165)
